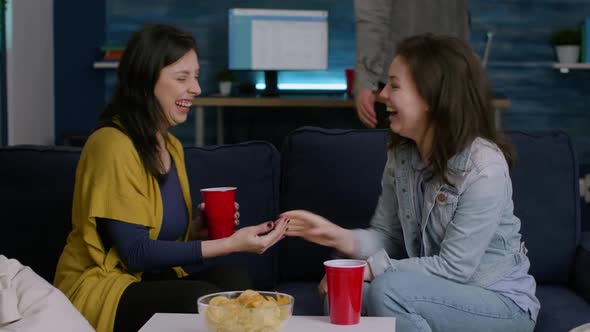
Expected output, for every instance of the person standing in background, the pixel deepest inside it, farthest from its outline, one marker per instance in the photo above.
(380, 26)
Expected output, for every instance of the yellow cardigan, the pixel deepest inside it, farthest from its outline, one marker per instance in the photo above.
(111, 182)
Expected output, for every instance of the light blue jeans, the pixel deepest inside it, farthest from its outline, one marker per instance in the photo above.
(425, 303)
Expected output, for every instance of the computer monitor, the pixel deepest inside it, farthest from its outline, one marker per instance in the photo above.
(277, 39)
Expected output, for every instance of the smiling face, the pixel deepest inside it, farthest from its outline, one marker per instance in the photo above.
(409, 111)
(177, 85)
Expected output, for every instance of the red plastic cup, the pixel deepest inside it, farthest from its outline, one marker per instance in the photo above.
(220, 209)
(345, 290)
(349, 73)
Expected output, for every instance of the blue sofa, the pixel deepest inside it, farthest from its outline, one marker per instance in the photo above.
(335, 173)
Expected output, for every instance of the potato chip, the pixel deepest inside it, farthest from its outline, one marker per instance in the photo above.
(219, 300)
(282, 299)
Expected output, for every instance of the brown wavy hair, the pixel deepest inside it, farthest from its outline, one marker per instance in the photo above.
(452, 81)
(134, 104)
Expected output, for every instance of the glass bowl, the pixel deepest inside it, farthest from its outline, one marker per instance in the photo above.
(245, 311)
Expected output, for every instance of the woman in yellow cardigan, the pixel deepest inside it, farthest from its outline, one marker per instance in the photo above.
(132, 214)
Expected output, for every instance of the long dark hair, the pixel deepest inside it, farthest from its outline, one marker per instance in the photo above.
(452, 81)
(134, 104)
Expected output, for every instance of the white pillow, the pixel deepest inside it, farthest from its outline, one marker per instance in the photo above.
(582, 328)
(29, 303)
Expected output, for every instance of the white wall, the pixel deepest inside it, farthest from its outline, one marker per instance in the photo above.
(29, 71)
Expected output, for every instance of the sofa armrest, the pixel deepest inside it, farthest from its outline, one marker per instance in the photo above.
(581, 278)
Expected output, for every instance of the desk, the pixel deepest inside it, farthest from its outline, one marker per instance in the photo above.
(277, 102)
(195, 323)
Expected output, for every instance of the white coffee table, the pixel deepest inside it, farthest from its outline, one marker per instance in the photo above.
(192, 323)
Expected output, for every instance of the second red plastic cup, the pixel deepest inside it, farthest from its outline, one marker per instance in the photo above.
(220, 209)
(349, 73)
(345, 290)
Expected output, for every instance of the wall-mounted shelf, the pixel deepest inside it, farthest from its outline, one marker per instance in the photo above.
(566, 67)
(105, 65)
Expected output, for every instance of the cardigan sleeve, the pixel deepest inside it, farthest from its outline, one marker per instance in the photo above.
(140, 253)
(114, 183)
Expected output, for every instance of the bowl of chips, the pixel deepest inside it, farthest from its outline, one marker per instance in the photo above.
(245, 311)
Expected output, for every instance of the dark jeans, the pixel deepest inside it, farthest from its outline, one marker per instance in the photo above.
(166, 293)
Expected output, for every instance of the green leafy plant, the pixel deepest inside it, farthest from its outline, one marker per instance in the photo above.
(566, 37)
(226, 75)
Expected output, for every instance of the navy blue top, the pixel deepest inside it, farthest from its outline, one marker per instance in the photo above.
(132, 241)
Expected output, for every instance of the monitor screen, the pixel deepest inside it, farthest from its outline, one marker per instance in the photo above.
(276, 39)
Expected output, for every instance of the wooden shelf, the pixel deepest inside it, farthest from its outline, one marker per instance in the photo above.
(563, 67)
(105, 65)
(277, 103)
(566, 67)
(296, 102)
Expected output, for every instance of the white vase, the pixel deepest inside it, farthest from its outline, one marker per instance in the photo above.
(568, 53)
(224, 88)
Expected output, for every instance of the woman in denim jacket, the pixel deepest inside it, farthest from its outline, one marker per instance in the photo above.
(444, 250)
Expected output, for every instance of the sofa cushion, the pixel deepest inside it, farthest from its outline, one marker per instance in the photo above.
(36, 190)
(546, 199)
(307, 298)
(253, 168)
(561, 309)
(335, 173)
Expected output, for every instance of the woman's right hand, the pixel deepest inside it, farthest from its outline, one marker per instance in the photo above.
(319, 230)
(199, 229)
(365, 109)
(323, 287)
(259, 238)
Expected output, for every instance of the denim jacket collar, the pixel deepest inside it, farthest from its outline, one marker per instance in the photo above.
(459, 163)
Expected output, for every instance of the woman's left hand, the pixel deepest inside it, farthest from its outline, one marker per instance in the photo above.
(367, 274)
(199, 230)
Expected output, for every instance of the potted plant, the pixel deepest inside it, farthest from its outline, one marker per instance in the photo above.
(225, 78)
(567, 44)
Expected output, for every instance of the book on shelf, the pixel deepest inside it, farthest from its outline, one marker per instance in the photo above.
(112, 52)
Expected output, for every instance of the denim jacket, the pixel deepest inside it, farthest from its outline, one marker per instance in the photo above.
(471, 235)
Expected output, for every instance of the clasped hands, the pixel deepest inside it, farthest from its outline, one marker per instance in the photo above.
(255, 239)
(298, 223)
